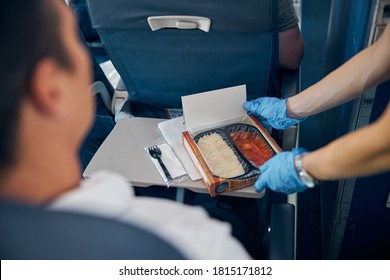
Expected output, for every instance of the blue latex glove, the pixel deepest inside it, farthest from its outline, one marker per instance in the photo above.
(279, 174)
(271, 111)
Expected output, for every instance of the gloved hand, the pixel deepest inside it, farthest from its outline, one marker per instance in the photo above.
(271, 111)
(279, 174)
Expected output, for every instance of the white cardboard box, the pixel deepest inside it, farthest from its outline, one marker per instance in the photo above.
(218, 109)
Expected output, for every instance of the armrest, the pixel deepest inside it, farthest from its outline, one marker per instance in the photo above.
(281, 245)
(100, 88)
(121, 85)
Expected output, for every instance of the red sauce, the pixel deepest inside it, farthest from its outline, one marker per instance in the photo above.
(253, 147)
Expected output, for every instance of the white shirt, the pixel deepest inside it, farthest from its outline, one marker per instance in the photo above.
(187, 228)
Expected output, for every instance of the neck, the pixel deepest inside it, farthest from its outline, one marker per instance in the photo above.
(42, 175)
(47, 162)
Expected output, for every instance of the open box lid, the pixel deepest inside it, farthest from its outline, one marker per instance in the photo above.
(209, 109)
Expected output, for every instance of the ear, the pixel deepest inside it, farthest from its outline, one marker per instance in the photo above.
(45, 88)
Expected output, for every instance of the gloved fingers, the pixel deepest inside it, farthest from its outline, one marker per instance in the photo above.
(283, 122)
(251, 106)
(273, 109)
(295, 187)
(279, 174)
(259, 105)
(260, 184)
(280, 125)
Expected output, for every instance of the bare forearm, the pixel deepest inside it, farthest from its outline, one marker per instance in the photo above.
(366, 69)
(290, 48)
(364, 152)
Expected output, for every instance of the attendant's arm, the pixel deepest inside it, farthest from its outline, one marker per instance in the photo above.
(366, 69)
(290, 48)
(363, 152)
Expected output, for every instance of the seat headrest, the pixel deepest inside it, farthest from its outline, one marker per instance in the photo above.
(227, 15)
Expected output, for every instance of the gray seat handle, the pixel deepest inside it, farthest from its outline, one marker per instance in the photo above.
(179, 22)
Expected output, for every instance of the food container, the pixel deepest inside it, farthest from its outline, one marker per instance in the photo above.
(227, 146)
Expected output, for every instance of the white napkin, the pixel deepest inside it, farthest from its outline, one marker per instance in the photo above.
(171, 162)
(172, 131)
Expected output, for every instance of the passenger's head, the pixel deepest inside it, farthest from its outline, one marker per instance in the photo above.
(44, 76)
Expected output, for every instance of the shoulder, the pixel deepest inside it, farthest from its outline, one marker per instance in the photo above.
(188, 228)
(105, 193)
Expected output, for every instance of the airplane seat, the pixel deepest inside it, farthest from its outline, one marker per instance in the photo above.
(89, 33)
(30, 232)
(34, 233)
(104, 118)
(80, 9)
(166, 50)
(219, 45)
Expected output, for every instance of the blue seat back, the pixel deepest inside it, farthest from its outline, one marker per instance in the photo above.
(34, 233)
(158, 67)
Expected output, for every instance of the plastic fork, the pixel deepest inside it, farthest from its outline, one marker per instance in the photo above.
(155, 152)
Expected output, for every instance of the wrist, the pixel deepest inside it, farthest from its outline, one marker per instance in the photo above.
(292, 109)
(303, 174)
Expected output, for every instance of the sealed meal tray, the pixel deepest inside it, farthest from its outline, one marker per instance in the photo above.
(234, 151)
(227, 146)
(251, 143)
(223, 159)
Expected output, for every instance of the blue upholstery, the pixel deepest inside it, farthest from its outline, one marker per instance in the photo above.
(104, 120)
(84, 23)
(34, 233)
(158, 67)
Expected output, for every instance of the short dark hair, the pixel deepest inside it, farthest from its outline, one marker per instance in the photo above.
(29, 32)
